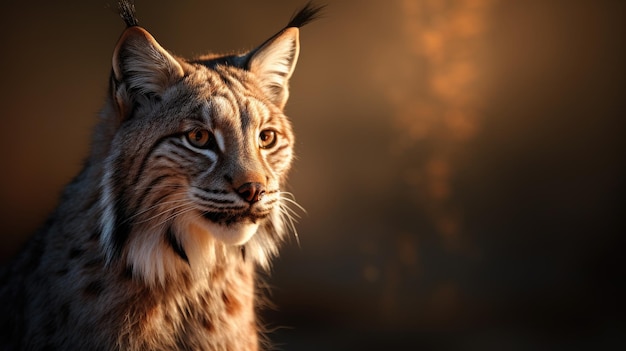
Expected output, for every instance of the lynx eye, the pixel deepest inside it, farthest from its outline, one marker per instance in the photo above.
(267, 138)
(200, 138)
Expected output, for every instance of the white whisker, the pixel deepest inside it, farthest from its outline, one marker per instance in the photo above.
(160, 204)
(291, 200)
(288, 214)
(174, 215)
(165, 211)
(179, 203)
(291, 211)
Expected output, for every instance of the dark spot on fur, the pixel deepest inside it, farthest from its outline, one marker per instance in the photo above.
(94, 289)
(231, 304)
(62, 272)
(76, 252)
(207, 324)
(127, 273)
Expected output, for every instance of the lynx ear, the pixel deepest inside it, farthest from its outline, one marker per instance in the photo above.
(274, 62)
(141, 63)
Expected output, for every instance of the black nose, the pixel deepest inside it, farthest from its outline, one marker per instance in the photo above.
(251, 192)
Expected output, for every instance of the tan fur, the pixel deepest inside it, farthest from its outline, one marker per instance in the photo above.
(154, 245)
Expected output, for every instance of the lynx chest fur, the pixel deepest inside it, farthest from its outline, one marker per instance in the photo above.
(155, 243)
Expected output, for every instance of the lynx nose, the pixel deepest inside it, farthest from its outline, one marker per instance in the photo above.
(251, 192)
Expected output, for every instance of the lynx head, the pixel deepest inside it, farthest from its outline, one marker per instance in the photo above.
(195, 152)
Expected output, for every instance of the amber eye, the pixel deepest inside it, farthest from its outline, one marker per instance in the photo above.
(200, 138)
(267, 138)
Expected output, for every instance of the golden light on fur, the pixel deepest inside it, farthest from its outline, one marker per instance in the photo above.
(156, 242)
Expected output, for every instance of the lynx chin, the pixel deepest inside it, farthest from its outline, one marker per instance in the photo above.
(155, 243)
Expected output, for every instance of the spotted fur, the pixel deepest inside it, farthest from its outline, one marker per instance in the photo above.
(155, 243)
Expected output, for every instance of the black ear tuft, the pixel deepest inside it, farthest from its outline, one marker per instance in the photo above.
(275, 60)
(126, 10)
(308, 13)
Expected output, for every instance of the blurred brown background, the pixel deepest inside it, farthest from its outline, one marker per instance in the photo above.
(461, 161)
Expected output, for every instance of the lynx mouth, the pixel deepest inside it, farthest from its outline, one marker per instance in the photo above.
(233, 228)
(227, 219)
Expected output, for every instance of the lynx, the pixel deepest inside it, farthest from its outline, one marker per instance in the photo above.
(156, 242)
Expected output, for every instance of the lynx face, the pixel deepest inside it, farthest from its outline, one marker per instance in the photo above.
(245, 144)
(199, 152)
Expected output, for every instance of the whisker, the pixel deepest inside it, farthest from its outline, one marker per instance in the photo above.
(291, 211)
(173, 215)
(287, 216)
(165, 211)
(179, 203)
(290, 199)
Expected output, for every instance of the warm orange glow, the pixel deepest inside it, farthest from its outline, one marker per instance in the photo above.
(442, 106)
